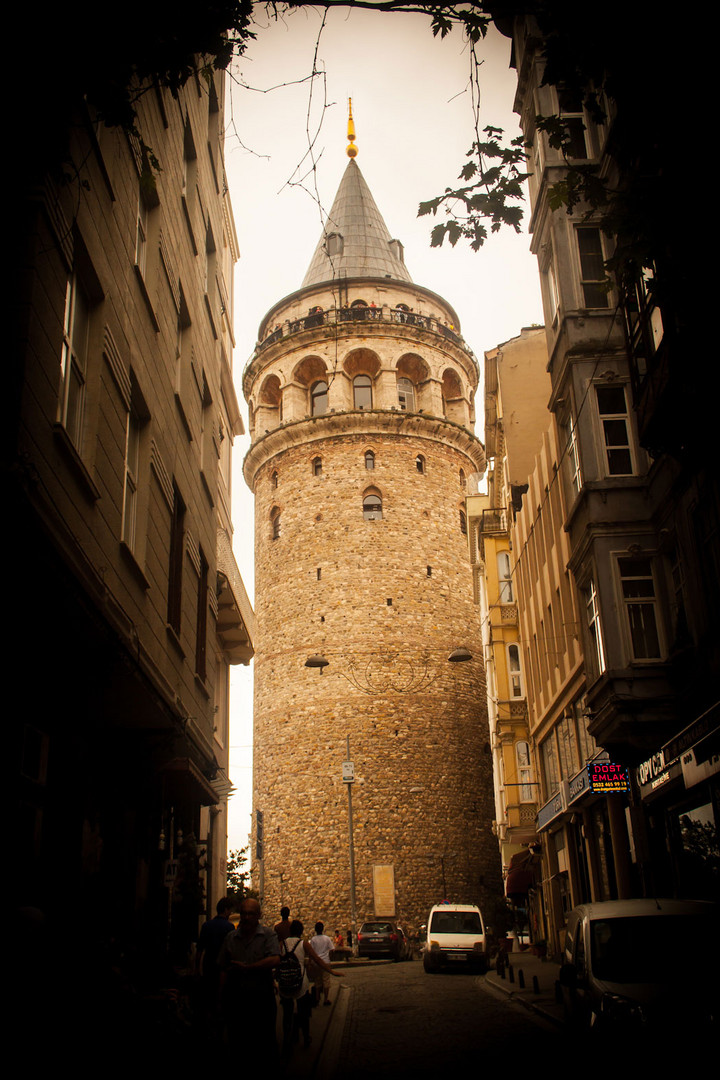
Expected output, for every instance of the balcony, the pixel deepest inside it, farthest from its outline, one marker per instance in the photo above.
(366, 315)
(494, 522)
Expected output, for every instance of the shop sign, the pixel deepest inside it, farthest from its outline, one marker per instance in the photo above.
(553, 808)
(605, 777)
(650, 770)
(578, 786)
(692, 734)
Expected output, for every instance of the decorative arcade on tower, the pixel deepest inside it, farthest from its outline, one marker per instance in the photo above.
(360, 396)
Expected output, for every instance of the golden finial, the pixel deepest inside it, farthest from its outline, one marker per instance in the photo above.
(352, 148)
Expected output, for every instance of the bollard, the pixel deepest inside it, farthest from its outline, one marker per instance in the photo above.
(536, 985)
(521, 979)
(511, 973)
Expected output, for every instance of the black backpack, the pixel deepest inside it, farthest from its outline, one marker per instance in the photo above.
(290, 971)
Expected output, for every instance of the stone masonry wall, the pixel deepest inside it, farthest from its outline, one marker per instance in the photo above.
(385, 602)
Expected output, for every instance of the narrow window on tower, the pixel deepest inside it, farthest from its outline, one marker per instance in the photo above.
(369, 460)
(362, 392)
(317, 466)
(372, 506)
(406, 395)
(275, 523)
(463, 523)
(420, 463)
(319, 398)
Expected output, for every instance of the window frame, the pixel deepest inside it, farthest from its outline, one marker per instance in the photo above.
(370, 513)
(648, 604)
(605, 443)
(74, 361)
(592, 288)
(594, 629)
(317, 396)
(367, 387)
(407, 397)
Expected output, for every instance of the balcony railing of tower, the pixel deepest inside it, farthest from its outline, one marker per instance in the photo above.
(370, 315)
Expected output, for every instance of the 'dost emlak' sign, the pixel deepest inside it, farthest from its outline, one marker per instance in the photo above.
(607, 776)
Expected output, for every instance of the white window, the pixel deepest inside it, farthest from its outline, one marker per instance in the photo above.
(515, 680)
(638, 593)
(132, 464)
(524, 771)
(74, 358)
(596, 655)
(592, 268)
(573, 117)
(142, 237)
(615, 425)
(406, 395)
(572, 457)
(505, 588)
(553, 294)
(362, 392)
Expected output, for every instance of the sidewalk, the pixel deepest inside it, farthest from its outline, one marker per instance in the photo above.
(530, 980)
(326, 1031)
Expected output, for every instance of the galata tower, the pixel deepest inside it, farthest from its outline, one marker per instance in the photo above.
(360, 397)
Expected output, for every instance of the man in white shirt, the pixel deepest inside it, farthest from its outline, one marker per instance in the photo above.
(323, 946)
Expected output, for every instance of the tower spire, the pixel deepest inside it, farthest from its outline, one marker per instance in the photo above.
(352, 149)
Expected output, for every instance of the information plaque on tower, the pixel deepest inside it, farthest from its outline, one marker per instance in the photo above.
(348, 772)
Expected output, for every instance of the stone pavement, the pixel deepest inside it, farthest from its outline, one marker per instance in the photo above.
(528, 979)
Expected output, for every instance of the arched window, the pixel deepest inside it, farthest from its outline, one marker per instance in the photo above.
(362, 392)
(369, 460)
(514, 672)
(317, 466)
(274, 479)
(462, 479)
(275, 523)
(420, 463)
(319, 398)
(463, 523)
(505, 589)
(406, 395)
(372, 506)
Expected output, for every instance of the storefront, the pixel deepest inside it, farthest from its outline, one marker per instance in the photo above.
(679, 789)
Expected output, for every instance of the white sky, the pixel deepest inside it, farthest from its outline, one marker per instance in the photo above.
(414, 126)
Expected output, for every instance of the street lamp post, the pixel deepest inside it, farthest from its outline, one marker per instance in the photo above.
(348, 779)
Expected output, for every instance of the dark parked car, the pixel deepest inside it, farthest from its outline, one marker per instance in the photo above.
(382, 938)
(641, 965)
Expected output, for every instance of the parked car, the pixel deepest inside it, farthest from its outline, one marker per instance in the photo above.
(380, 937)
(455, 936)
(638, 964)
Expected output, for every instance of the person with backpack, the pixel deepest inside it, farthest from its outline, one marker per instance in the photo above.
(294, 985)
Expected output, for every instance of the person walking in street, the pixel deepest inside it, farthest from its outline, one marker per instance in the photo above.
(247, 959)
(282, 928)
(322, 946)
(294, 985)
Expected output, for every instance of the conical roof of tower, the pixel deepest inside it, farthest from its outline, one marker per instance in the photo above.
(365, 247)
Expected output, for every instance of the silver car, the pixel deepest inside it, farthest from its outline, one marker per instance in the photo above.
(638, 964)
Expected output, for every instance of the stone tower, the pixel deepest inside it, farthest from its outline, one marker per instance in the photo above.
(360, 395)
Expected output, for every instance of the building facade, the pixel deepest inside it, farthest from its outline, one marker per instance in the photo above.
(361, 394)
(120, 419)
(612, 537)
(516, 371)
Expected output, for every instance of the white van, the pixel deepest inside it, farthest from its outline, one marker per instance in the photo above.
(455, 935)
